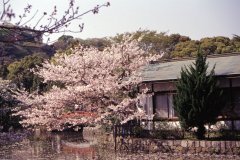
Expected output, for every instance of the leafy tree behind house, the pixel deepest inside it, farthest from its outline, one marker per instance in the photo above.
(20, 73)
(210, 45)
(187, 48)
(198, 99)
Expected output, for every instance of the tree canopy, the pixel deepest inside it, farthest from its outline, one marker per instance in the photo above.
(103, 82)
(176, 45)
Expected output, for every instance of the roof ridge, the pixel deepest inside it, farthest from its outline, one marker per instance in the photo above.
(225, 66)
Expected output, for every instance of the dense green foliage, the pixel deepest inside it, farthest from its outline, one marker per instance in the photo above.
(176, 45)
(198, 99)
(20, 73)
(7, 104)
(21, 77)
(66, 42)
(155, 42)
(214, 45)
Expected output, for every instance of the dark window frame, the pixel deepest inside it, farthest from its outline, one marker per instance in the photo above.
(168, 106)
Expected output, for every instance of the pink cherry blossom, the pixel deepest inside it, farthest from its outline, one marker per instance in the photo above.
(95, 81)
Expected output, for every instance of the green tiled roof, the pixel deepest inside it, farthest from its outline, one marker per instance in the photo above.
(225, 66)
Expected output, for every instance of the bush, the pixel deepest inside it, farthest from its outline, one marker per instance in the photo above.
(167, 134)
(140, 132)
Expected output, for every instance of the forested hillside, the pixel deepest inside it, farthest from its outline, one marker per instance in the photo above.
(17, 58)
(11, 50)
(176, 45)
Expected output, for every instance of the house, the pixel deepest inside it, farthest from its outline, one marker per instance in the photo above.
(160, 79)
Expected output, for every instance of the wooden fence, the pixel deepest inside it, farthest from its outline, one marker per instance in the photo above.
(124, 130)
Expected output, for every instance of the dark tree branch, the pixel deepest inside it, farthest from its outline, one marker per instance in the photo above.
(54, 25)
(7, 11)
(25, 23)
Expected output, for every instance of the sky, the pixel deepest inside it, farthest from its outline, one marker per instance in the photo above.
(193, 18)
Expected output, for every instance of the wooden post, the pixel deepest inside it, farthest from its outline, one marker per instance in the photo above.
(115, 137)
(232, 103)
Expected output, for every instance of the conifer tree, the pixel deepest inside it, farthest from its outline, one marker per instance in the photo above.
(198, 97)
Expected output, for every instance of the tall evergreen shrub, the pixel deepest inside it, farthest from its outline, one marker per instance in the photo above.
(198, 100)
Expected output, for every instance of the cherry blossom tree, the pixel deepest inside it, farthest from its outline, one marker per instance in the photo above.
(101, 82)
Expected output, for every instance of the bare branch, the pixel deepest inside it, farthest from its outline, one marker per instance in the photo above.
(39, 21)
(7, 11)
(30, 19)
(54, 25)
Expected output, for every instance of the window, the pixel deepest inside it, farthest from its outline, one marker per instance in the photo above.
(236, 101)
(147, 104)
(164, 105)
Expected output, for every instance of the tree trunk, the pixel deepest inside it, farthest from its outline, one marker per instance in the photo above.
(200, 134)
